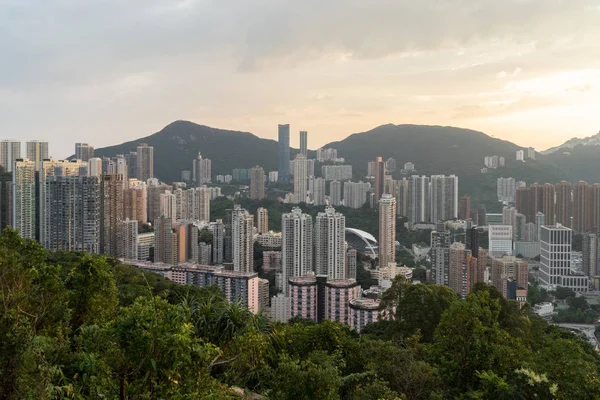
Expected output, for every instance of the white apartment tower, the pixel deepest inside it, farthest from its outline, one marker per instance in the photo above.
(202, 170)
(242, 224)
(128, 247)
(297, 245)
(24, 198)
(330, 244)
(300, 178)
(387, 230)
(10, 151)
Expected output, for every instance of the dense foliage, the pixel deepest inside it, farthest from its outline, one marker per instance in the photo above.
(86, 327)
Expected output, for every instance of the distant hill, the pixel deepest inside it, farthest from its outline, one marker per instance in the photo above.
(177, 144)
(433, 150)
(590, 141)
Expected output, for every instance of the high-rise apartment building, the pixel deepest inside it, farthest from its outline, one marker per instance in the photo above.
(591, 257)
(262, 220)
(165, 241)
(128, 247)
(196, 204)
(72, 217)
(418, 209)
(330, 244)
(201, 170)
(508, 268)
(355, 194)
(443, 198)
(95, 167)
(304, 143)
(23, 198)
(440, 257)
(168, 205)
(145, 162)
(155, 189)
(135, 201)
(336, 172)
(464, 210)
(581, 207)
(283, 155)
(506, 188)
(300, 179)
(6, 200)
(257, 183)
(379, 179)
(461, 263)
(335, 193)
(83, 151)
(564, 203)
(36, 151)
(112, 215)
(242, 224)
(297, 245)
(316, 188)
(387, 230)
(47, 169)
(217, 229)
(10, 151)
(594, 214)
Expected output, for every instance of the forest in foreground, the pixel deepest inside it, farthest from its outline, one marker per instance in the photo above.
(77, 326)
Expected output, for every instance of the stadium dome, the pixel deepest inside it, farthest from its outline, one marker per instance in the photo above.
(362, 241)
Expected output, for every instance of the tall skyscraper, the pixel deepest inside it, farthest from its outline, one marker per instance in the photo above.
(155, 189)
(297, 246)
(165, 241)
(464, 211)
(257, 183)
(23, 198)
(145, 162)
(460, 260)
(304, 143)
(217, 229)
(6, 200)
(387, 230)
(262, 220)
(548, 208)
(284, 152)
(506, 188)
(564, 203)
(594, 216)
(201, 170)
(95, 167)
(72, 217)
(112, 215)
(379, 178)
(330, 244)
(198, 204)
(581, 207)
(300, 179)
(10, 151)
(242, 224)
(36, 151)
(84, 151)
(335, 193)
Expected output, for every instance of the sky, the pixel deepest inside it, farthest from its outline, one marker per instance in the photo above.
(109, 71)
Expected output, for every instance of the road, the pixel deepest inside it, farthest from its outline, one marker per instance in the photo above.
(588, 330)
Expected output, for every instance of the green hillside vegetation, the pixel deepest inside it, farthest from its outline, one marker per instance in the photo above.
(75, 326)
(433, 149)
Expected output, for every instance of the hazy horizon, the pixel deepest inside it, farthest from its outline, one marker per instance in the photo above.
(107, 72)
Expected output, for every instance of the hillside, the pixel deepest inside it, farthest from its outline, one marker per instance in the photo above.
(573, 142)
(433, 149)
(177, 144)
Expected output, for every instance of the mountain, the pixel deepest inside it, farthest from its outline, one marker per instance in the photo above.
(433, 150)
(571, 143)
(177, 144)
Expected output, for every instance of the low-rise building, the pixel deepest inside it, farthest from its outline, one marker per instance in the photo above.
(363, 311)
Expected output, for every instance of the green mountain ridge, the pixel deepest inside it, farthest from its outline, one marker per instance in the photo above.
(433, 149)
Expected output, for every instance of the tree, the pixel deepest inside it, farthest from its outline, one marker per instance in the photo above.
(563, 292)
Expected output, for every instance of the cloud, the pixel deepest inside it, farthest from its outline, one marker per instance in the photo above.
(501, 74)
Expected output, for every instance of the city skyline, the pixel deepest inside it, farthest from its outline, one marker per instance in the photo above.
(525, 71)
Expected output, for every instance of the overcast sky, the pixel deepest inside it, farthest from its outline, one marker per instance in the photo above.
(107, 71)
